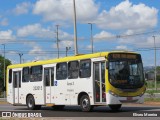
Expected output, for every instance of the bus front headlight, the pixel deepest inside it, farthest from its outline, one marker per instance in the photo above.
(112, 93)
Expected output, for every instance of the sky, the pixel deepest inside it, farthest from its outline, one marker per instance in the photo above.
(29, 27)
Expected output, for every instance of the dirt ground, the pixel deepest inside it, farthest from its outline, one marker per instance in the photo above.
(152, 103)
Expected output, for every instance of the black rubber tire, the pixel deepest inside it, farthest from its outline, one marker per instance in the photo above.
(31, 103)
(85, 103)
(115, 107)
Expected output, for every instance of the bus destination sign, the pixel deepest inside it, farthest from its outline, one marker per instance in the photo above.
(124, 56)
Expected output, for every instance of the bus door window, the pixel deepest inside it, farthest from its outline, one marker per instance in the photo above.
(99, 78)
(97, 82)
(49, 76)
(103, 81)
(17, 79)
(52, 76)
(46, 77)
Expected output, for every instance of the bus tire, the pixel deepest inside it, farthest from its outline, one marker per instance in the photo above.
(115, 107)
(31, 102)
(85, 103)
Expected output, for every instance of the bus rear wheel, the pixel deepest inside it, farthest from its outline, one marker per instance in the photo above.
(31, 103)
(115, 107)
(85, 103)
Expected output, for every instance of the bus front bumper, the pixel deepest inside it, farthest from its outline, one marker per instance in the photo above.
(115, 99)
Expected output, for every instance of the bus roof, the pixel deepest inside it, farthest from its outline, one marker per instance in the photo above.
(65, 59)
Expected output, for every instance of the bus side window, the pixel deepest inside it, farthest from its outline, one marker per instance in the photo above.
(36, 73)
(61, 71)
(73, 69)
(10, 76)
(26, 75)
(85, 68)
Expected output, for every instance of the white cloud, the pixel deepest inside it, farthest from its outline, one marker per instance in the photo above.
(121, 47)
(36, 50)
(22, 8)
(64, 44)
(35, 30)
(127, 15)
(89, 47)
(6, 35)
(4, 22)
(103, 35)
(55, 10)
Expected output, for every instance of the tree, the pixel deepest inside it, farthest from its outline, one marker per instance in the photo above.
(7, 62)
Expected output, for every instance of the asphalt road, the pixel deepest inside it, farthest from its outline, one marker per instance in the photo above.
(128, 110)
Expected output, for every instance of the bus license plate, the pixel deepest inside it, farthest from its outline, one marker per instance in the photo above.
(129, 98)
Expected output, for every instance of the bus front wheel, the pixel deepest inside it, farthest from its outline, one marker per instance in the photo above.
(115, 107)
(85, 103)
(31, 103)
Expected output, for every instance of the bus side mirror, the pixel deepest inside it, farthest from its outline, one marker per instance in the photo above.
(107, 64)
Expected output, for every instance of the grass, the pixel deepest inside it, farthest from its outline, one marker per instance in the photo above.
(152, 91)
(151, 84)
(152, 99)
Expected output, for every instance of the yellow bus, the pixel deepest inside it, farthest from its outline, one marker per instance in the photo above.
(99, 79)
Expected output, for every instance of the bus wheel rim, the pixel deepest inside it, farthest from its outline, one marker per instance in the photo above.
(85, 103)
(30, 103)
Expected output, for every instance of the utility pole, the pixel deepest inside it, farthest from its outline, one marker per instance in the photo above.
(75, 29)
(91, 37)
(20, 55)
(4, 70)
(57, 41)
(67, 48)
(155, 72)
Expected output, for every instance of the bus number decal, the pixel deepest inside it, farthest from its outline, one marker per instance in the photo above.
(37, 87)
(70, 83)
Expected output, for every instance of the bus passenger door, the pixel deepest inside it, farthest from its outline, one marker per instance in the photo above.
(17, 86)
(48, 83)
(99, 82)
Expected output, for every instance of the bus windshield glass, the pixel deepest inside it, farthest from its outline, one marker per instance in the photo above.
(126, 70)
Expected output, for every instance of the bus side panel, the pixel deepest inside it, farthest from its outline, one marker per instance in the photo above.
(37, 90)
(61, 95)
(10, 94)
(23, 92)
(78, 86)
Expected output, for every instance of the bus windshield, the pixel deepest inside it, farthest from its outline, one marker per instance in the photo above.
(126, 71)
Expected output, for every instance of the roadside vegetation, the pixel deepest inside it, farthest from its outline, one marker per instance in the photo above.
(151, 84)
(152, 100)
(151, 87)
